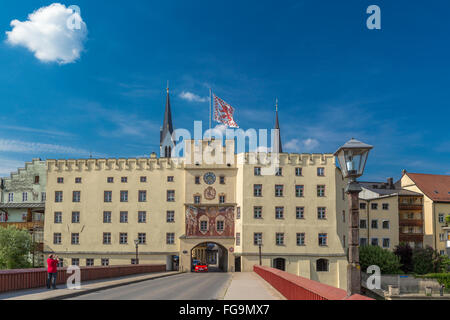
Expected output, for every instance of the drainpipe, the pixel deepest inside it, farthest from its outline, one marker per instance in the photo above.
(368, 223)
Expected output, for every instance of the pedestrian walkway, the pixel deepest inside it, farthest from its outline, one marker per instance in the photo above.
(86, 287)
(250, 286)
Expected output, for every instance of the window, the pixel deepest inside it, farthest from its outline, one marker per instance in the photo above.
(75, 217)
(257, 238)
(43, 196)
(106, 216)
(221, 199)
(170, 195)
(279, 213)
(123, 216)
(279, 172)
(374, 206)
(58, 196)
(124, 179)
(10, 197)
(57, 238)
(75, 238)
(362, 205)
(142, 217)
(197, 180)
(170, 179)
(300, 212)
(279, 239)
(77, 180)
(222, 179)
(257, 190)
(89, 262)
(107, 197)
(385, 224)
(363, 224)
(60, 180)
(300, 239)
(322, 265)
(170, 216)
(299, 190)
(220, 225)
(123, 238)
(143, 179)
(363, 242)
(110, 180)
(36, 179)
(385, 206)
(343, 215)
(3, 217)
(323, 239)
(75, 261)
(441, 218)
(58, 217)
(257, 171)
(298, 172)
(105, 262)
(320, 172)
(142, 238)
(386, 243)
(321, 213)
(197, 199)
(238, 238)
(238, 212)
(321, 191)
(374, 241)
(203, 226)
(76, 196)
(170, 238)
(278, 190)
(24, 196)
(61, 263)
(374, 224)
(257, 212)
(133, 261)
(142, 196)
(123, 196)
(441, 237)
(106, 238)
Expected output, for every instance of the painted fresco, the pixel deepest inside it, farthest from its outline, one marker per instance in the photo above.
(195, 216)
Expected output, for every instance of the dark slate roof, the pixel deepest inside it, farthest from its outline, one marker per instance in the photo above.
(383, 189)
(167, 125)
(13, 205)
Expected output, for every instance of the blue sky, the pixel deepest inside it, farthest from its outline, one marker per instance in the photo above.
(334, 78)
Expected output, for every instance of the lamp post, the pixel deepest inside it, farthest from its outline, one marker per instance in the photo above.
(259, 245)
(352, 158)
(136, 242)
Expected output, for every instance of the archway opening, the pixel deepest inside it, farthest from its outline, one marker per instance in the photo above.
(280, 264)
(212, 254)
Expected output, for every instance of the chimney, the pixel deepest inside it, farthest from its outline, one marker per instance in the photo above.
(390, 182)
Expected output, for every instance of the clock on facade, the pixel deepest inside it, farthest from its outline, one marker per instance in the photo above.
(209, 178)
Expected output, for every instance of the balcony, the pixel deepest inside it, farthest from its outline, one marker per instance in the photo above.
(410, 222)
(23, 225)
(410, 237)
(410, 206)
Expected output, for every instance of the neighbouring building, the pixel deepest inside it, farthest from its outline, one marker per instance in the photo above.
(22, 203)
(390, 215)
(179, 211)
(436, 205)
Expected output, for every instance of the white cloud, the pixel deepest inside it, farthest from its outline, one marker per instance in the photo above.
(7, 166)
(36, 147)
(192, 97)
(296, 145)
(47, 34)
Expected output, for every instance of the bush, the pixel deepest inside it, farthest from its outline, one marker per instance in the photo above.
(426, 260)
(15, 248)
(388, 262)
(405, 253)
(442, 278)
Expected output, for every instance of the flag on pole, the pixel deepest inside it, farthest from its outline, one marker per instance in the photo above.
(223, 113)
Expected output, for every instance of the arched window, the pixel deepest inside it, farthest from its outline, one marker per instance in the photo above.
(170, 152)
(165, 152)
(280, 264)
(322, 265)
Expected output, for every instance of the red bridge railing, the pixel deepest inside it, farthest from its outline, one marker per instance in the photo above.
(293, 287)
(19, 279)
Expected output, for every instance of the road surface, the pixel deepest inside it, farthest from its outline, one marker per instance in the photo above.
(186, 286)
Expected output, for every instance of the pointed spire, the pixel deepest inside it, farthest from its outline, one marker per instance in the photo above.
(277, 128)
(167, 125)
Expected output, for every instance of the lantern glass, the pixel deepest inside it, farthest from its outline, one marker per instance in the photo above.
(352, 158)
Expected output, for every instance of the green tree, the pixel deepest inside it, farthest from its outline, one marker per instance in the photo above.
(405, 252)
(388, 262)
(424, 260)
(15, 248)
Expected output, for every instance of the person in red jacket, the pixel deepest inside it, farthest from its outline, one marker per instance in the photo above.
(52, 270)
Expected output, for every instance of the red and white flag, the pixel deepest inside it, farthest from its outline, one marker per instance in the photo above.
(223, 113)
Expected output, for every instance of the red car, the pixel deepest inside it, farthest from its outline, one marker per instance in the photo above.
(201, 267)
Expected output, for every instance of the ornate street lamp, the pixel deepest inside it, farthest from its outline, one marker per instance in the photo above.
(352, 158)
(136, 242)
